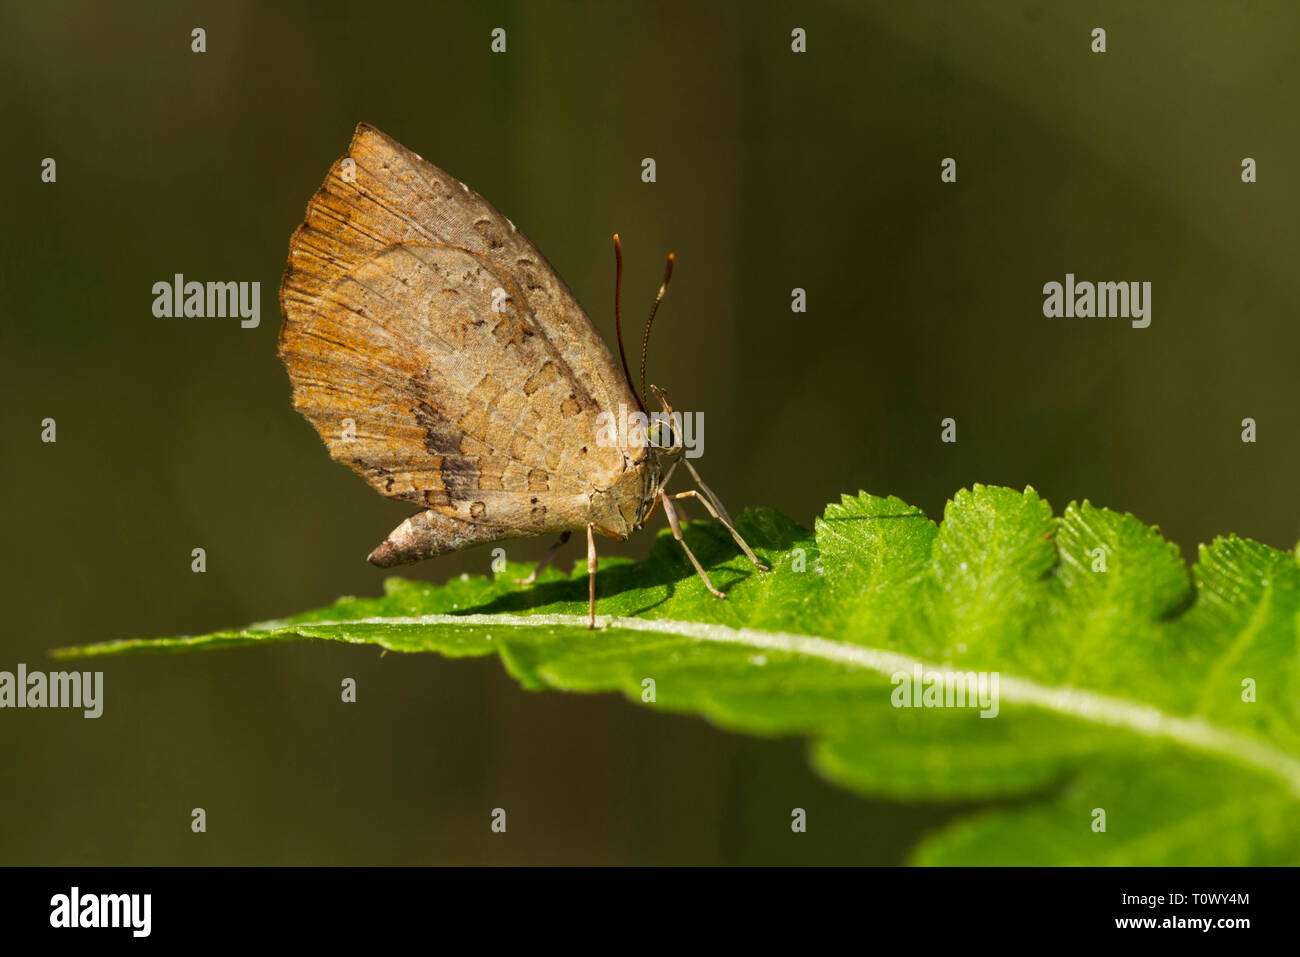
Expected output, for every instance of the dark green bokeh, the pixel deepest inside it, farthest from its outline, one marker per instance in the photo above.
(775, 170)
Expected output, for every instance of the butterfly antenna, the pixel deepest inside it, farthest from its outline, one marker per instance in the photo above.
(645, 341)
(618, 317)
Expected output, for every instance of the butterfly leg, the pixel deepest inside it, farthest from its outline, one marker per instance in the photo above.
(715, 508)
(744, 547)
(676, 526)
(546, 559)
(591, 578)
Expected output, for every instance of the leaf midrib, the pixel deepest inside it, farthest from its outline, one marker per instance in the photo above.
(1194, 733)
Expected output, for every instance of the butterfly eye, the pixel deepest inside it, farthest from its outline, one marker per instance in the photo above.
(661, 436)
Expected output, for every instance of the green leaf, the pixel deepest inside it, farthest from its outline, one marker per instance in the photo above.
(1121, 678)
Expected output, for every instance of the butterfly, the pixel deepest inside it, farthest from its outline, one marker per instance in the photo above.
(439, 355)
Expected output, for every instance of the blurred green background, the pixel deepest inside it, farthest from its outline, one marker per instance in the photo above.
(775, 171)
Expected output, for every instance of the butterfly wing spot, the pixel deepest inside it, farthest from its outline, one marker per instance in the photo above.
(521, 446)
(387, 476)
(490, 235)
(570, 406)
(492, 469)
(478, 510)
(538, 481)
(473, 424)
(460, 331)
(543, 376)
(511, 332)
(488, 391)
(531, 280)
(436, 497)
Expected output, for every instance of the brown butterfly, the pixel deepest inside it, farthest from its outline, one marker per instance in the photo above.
(440, 356)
